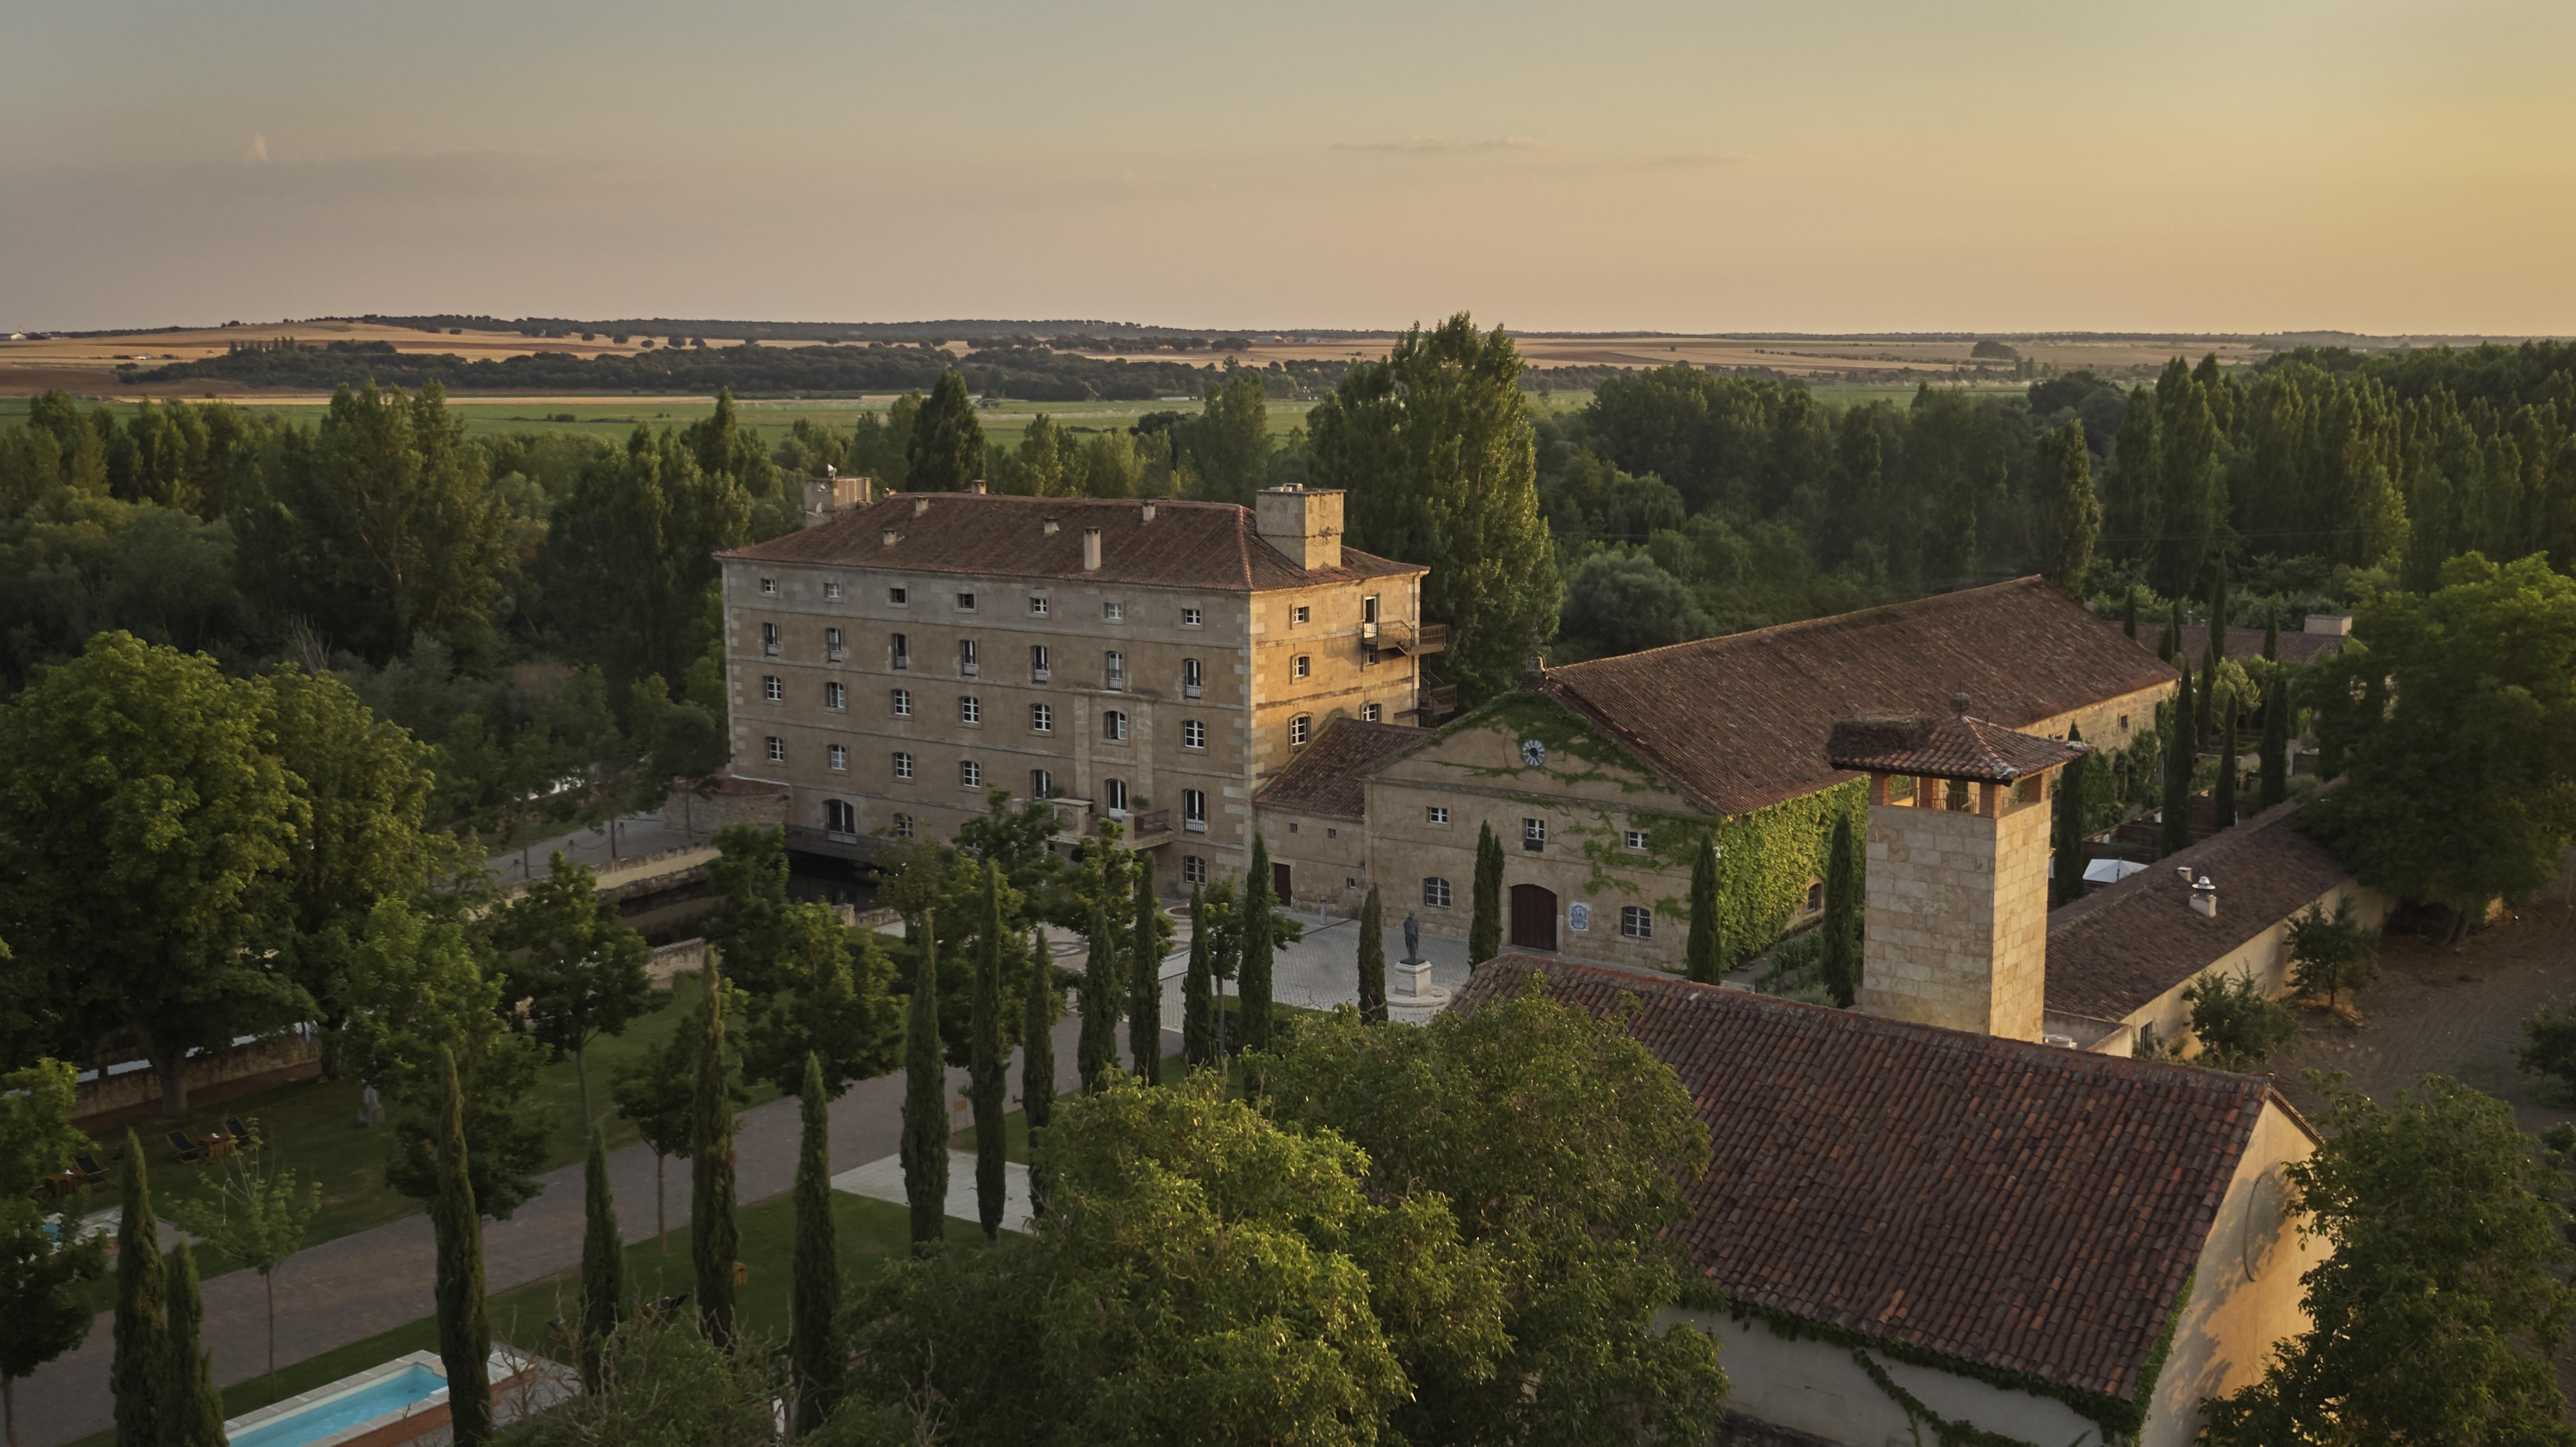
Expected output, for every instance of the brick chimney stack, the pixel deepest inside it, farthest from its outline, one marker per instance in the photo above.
(1305, 525)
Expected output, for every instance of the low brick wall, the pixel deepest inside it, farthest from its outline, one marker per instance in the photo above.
(125, 1090)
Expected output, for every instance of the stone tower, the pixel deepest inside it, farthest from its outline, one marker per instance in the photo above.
(1958, 868)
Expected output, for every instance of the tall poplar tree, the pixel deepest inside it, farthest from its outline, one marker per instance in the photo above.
(2067, 502)
(191, 1413)
(2067, 882)
(1198, 992)
(1485, 916)
(986, 1060)
(814, 1328)
(1846, 910)
(1096, 1052)
(2222, 798)
(1252, 986)
(464, 1338)
(2274, 785)
(135, 1377)
(925, 1097)
(603, 1259)
(714, 1241)
(1704, 953)
(1145, 979)
(946, 450)
(1373, 957)
(2182, 752)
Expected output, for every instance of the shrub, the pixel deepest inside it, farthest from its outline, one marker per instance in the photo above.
(2331, 953)
(2549, 1043)
(2238, 1024)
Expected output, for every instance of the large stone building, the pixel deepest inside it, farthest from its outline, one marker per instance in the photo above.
(1146, 661)
(1602, 778)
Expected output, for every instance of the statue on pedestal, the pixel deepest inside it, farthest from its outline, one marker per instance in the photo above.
(1412, 938)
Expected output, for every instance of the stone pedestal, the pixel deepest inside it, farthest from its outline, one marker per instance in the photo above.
(1410, 995)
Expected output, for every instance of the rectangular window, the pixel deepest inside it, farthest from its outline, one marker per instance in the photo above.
(1372, 713)
(1305, 665)
(1368, 656)
(1436, 815)
(895, 596)
(965, 602)
(1193, 734)
(1114, 612)
(902, 826)
(831, 592)
(1041, 784)
(1368, 609)
(1297, 728)
(970, 774)
(1637, 840)
(773, 688)
(1193, 678)
(769, 587)
(970, 709)
(777, 749)
(901, 651)
(1193, 869)
(965, 658)
(1113, 792)
(1190, 617)
(903, 703)
(1039, 671)
(841, 820)
(835, 696)
(1113, 726)
(1115, 670)
(1041, 719)
(769, 639)
(1301, 616)
(1194, 810)
(903, 766)
(839, 758)
(832, 645)
(1534, 835)
(1037, 605)
(1636, 922)
(1435, 892)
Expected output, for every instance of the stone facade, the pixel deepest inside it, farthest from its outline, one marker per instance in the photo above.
(1957, 933)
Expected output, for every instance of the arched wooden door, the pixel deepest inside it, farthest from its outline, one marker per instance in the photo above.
(1533, 917)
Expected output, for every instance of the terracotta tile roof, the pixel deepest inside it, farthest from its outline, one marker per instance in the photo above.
(1211, 545)
(2246, 643)
(1957, 747)
(1329, 775)
(2019, 1206)
(2126, 944)
(1740, 722)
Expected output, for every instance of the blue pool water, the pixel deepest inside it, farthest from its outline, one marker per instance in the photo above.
(322, 1419)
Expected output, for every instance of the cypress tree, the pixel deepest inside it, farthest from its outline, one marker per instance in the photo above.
(2181, 752)
(140, 1327)
(1097, 1051)
(1198, 993)
(714, 1242)
(464, 1339)
(2272, 635)
(189, 1411)
(1252, 988)
(1485, 923)
(1145, 979)
(1704, 952)
(814, 1332)
(2222, 799)
(1037, 1039)
(2170, 649)
(2129, 615)
(925, 1098)
(2218, 619)
(1373, 957)
(603, 1260)
(2068, 827)
(1846, 906)
(2275, 781)
(986, 1064)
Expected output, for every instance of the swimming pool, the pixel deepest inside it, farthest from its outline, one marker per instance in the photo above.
(409, 1385)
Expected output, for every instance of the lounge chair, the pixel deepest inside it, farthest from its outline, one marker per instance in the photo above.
(190, 1152)
(91, 1172)
(242, 1135)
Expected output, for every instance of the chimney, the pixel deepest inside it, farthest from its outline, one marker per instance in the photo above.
(2337, 624)
(1091, 550)
(889, 536)
(1146, 513)
(977, 487)
(920, 505)
(2204, 898)
(1305, 525)
(1048, 527)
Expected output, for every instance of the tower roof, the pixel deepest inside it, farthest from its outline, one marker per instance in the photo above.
(1957, 747)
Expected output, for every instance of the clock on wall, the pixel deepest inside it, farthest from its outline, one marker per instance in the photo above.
(1533, 753)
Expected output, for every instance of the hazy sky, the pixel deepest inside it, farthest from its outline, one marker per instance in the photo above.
(1797, 164)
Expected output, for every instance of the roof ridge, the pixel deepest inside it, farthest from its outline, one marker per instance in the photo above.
(2236, 836)
(1853, 617)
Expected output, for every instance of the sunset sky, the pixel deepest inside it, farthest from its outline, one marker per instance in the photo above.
(2239, 166)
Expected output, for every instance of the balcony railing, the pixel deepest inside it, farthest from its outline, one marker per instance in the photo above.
(1368, 630)
(1436, 702)
(903, 660)
(1117, 683)
(965, 668)
(1191, 690)
(1413, 638)
(1195, 826)
(1040, 675)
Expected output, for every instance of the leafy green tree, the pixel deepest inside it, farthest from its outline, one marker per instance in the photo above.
(925, 1097)
(2067, 830)
(603, 1259)
(256, 1216)
(946, 451)
(576, 970)
(421, 1001)
(2192, 450)
(1226, 448)
(2182, 753)
(2331, 953)
(1436, 453)
(2070, 515)
(2549, 1043)
(190, 1411)
(44, 1309)
(749, 879)
(2273, 781)
(2237, 1024)
(1372, 984)
(814, 1331)
(1623, 602)
(714, 1241)
(658, 1096)
(663, 1384)
(2453, 718)
(143, 833)
(1485, 921)
(1253, 988)
(1097, 1051)
(141, 1326)
(1149, 934)
(1704, 953)
(830, 994)
(464, 1337)
(985, 1072)
(724, 446)
(1273, 1299)
(2432, 1319)
(629, 556)
(1577, 1196)
(1846, 911)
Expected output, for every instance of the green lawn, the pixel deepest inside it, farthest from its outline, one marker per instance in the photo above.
(871, 1232)
(313, 1126)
